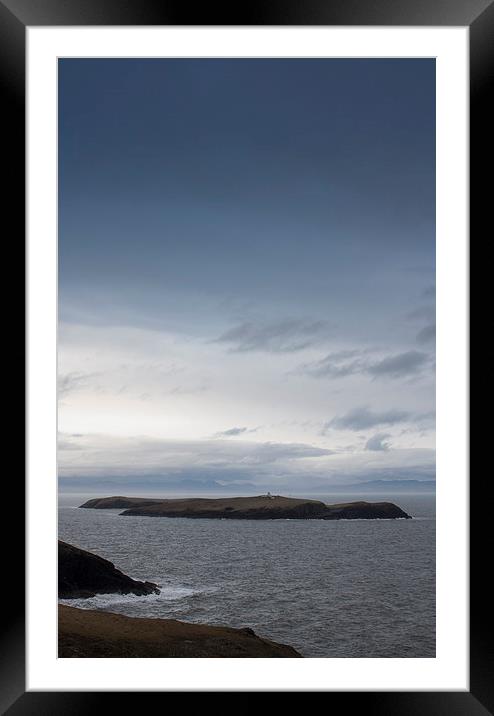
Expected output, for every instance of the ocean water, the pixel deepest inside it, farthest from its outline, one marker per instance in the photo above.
(347, 588)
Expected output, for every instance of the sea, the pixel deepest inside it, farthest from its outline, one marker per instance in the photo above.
(334, 589)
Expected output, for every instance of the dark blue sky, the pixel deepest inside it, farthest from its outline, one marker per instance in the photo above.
(242, 178)
(246, 266)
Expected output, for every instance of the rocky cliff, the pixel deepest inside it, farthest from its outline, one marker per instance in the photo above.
(83, 574)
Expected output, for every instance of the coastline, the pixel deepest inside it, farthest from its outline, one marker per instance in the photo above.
(85, 633)
(89, 633)
(282, 578)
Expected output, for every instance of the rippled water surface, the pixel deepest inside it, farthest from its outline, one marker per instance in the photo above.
(348, 588)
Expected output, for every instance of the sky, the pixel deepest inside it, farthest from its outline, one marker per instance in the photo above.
(246, 271)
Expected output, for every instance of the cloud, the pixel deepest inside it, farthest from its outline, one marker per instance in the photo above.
(362, 419)
(63, 445)
(141, 455)
(339, 364)
(72, 382)
(427, 314)
(232, 432)
(378, 443)
(354, 362)
(428, 418)
(427, 334)
(422, 312)
(286, 336)
(399, 365)
(186, 390)
(273, 452)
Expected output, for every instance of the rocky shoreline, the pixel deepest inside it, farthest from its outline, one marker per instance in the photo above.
(82, 574)
(85, 633)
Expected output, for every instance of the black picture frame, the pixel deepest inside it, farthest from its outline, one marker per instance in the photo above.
(478, 15)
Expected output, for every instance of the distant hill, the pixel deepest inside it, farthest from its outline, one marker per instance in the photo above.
(158, 485)
(386, 486)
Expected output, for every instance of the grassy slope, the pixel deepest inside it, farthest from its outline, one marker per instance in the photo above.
(88, 633)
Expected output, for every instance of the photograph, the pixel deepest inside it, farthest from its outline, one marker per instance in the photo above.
(246, 236)
(246, 357)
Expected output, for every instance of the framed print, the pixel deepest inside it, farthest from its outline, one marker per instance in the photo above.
(247, 318)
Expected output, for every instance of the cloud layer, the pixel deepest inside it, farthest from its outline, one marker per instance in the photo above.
(363, 418)
(274, 466)
(286, 336)
(234, 432)
(354, 362)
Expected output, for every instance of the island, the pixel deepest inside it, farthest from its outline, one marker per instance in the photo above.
(82, 575)
(260, 507)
